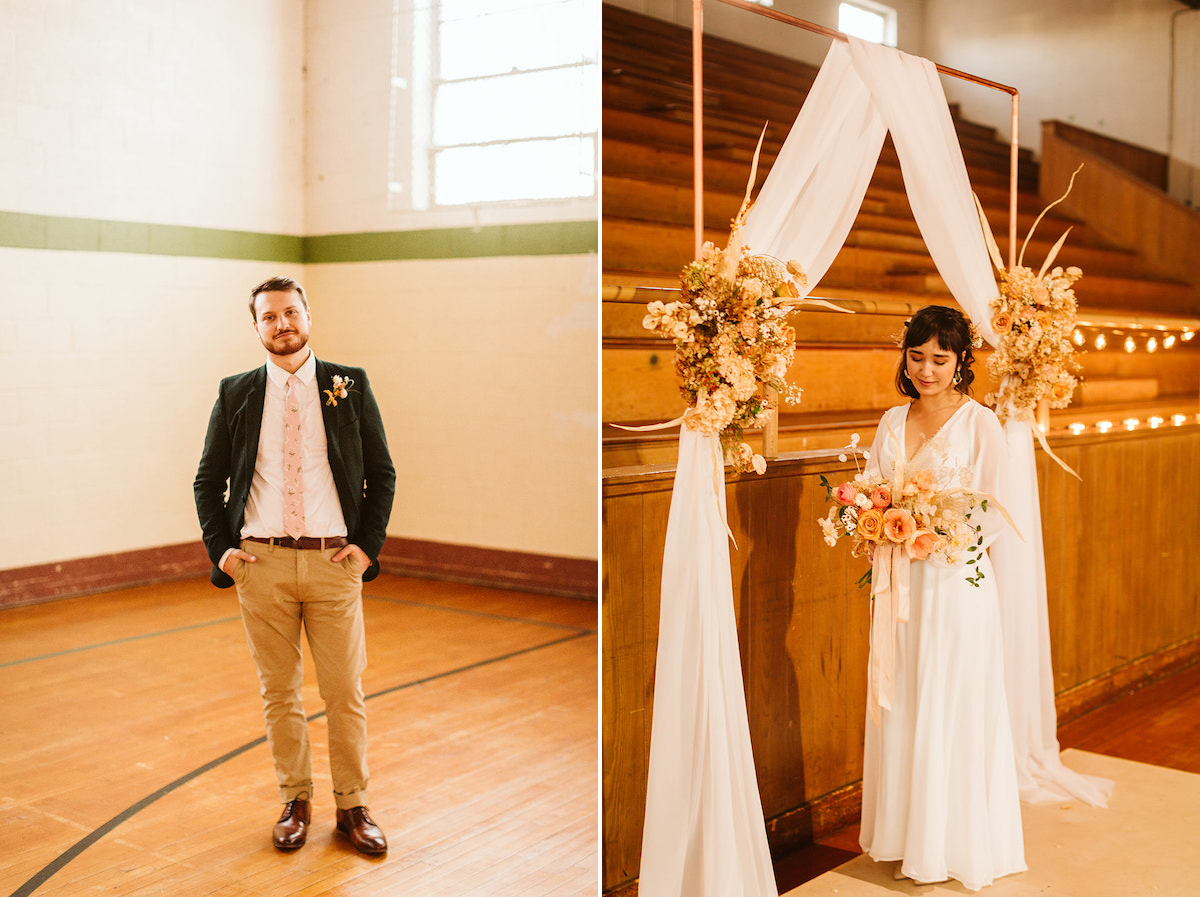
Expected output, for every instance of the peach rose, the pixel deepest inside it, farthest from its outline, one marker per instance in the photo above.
(898, 525)
(870, 525)
(881, 497)
(1002, 323)
(845, 493)
(1060, 392)
(925, 543)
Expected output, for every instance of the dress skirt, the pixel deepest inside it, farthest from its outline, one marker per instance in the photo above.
(939, 777)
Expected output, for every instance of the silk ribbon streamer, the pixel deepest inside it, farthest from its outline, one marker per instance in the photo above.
(889, 608)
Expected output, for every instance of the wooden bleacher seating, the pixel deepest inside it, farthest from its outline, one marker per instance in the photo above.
(846, 362)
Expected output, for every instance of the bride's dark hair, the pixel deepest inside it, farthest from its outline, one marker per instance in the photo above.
(953, 333)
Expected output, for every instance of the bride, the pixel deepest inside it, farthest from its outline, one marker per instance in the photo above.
(939, 779)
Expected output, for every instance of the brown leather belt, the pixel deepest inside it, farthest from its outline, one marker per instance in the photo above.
(304, 543)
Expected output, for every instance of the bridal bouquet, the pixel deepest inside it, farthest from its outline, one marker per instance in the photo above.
(926, 518)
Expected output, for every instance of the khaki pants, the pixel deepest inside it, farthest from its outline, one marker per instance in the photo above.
(284, 589)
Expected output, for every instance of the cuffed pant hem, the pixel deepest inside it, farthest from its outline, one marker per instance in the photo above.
(295, 792)
(350, 799)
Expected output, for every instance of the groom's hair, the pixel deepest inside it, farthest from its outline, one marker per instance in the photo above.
(953, 332)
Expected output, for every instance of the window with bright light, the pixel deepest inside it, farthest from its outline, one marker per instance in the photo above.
(506, 103)
(869, 21)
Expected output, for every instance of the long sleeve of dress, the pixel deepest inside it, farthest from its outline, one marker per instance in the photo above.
(990, 462)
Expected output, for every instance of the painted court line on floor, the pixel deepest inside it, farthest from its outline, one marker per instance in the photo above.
(87, 841)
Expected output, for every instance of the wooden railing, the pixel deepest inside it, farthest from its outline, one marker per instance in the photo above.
(1124, 605)
(1125, 208)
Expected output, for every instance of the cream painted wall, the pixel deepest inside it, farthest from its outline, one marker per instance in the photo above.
(486, 373)
(1103, 65)
(194, 114)
(167, 113)
(173, 113)
(112, 362)
(485, 368)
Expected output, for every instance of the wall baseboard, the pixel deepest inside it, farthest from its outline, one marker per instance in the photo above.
(1075, 702)
(103, 573)
(572, 577)
(547, 574)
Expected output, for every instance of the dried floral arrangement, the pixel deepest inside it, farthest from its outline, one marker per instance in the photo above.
(1034, 318)
(731, 340)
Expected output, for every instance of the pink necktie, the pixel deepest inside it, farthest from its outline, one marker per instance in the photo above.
(293, 478)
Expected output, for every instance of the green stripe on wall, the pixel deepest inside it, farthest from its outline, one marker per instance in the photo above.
(25, 231)
(559, 238)
(22, 230)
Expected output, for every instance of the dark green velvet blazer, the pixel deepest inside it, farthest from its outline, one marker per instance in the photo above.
(358, 456)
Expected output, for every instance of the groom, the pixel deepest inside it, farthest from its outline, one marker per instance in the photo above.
(298, 447)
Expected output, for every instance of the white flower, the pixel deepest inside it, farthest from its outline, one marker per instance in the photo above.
(830, 532)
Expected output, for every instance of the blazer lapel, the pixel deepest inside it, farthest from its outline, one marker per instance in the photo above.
(254, 412)
(329, 416)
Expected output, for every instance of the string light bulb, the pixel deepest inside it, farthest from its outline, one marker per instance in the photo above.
(1103, 425)
(1152, 344)
(1130, 345)
(1179, 419)
(1100, 341)
(1077, 337)
(1078, 428)
(1187, 335)
(1168, 340)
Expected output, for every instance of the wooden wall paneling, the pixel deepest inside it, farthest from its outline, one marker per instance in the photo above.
(1122, 595)
(763, 516)
(624, 676)
(826, 649)
(1138, 161)
(1060, 513)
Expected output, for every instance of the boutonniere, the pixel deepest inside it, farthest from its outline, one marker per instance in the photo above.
(341, 389)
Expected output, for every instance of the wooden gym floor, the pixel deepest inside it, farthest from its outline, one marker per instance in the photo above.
(1158, 723)
(133, 760)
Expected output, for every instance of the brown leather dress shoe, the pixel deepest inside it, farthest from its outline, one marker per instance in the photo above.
(362, 831)
(292, 828)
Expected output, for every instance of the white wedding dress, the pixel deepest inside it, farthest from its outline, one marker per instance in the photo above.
(939, 776)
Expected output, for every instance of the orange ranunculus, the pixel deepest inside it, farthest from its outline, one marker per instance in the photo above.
(1002, 323)
(870, 525)
(881, 497)
(925, 543)
(898, 525)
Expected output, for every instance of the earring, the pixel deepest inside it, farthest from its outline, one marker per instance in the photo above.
(957, 377)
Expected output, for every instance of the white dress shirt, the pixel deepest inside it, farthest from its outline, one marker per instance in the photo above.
(264, 506)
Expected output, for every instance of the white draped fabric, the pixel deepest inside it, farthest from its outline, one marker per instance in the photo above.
(904, 92)
(704, 833)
